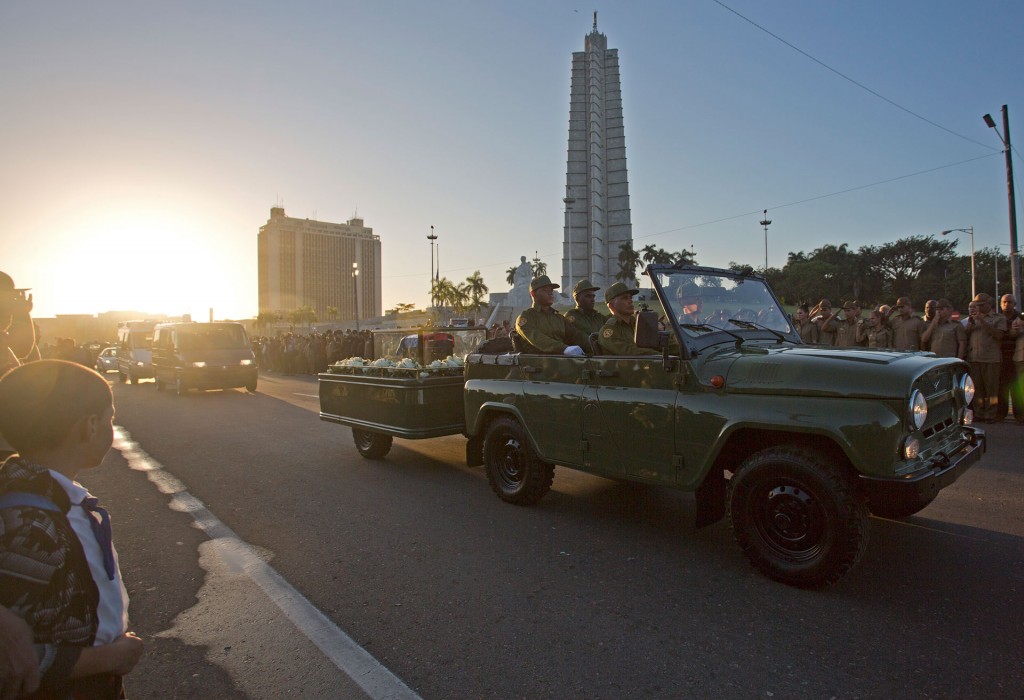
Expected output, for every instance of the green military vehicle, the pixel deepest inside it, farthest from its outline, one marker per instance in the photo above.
(796, 443)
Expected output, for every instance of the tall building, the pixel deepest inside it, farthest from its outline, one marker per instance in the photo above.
(303, 262)
(597, 218)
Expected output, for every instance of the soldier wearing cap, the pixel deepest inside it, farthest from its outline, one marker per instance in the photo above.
(543, 328)
(616, 337)
(850, 331)
(585, 317)
(906, 327)
(944, 336)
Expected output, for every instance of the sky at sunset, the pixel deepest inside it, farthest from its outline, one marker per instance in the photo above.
(144, 142)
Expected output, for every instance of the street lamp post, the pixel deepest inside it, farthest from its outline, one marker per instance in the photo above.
(355, 290)
(432, 238)
(970, 232)
(996, 266)
(765, 222)
(1014, 257)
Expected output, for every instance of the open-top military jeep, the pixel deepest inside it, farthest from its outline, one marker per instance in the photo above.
(797, 443)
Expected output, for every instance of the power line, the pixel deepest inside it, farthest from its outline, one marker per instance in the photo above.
(848, 78)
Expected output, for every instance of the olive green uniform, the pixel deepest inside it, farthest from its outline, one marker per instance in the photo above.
(586, 322)
(548, 331)
(616, 338)
(906, 332)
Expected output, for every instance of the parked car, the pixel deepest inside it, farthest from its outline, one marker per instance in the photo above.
(106, 361)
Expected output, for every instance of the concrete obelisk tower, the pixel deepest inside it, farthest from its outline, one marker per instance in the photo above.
(597, 219)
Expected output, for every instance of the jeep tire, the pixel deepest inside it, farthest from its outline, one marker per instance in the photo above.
(516, 474)
(797, 519)
(371, 445)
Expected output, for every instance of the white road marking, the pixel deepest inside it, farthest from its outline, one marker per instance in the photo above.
(358, 664)
(312, 396)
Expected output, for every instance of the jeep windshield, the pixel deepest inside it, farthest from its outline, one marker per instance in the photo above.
(704, 301)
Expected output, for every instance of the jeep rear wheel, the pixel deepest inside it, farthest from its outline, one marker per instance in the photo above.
(797, 520)
(371, 445)
(514, 470)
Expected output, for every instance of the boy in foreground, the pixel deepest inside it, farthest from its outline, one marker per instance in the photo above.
(58, 568)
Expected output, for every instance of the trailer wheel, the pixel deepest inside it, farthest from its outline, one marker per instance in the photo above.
(371, 445)
(516, 474)
(251, 386)
(796, 518)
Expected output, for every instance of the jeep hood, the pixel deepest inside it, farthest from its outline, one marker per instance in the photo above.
(814, 371)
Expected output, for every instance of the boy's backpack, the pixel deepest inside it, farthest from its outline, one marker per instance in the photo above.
(18, 499)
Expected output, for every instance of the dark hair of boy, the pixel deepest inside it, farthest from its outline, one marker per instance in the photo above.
(40, 402)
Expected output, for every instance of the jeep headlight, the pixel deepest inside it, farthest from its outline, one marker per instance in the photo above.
(966, 387)
(246, 362)
(917, 409)
(199, 364)
(911, 448)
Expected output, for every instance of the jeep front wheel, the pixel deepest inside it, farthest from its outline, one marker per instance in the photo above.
(797, 520)
(371, 445)
(514, 470)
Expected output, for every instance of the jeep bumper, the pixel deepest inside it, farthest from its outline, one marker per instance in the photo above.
(941, 471)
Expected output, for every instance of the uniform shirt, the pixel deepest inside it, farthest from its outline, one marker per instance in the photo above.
(982, 347)
(946, 338)
(808, 331)
(848, 334)
(112, 610)
(827, 329)
(548, 331)
(586, 322)
(616, 338)
(879, 337)
(906, 332)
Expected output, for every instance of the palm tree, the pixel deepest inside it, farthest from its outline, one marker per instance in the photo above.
(266, 318)
(629, 260)
(510, 276)
(332, 312)
(302, 316)
(477, 289)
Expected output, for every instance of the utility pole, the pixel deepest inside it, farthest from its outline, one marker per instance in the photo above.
(432, 238)
(1014, 256)
(766, 222)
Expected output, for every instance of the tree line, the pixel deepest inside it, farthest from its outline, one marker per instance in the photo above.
(920, 267)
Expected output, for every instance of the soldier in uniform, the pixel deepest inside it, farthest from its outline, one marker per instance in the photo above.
(585, 317)
(805, 327)
(617, 335)
(944, 336)
(545, 329)
(826, 322)
(849, 332)
(1008, 308)
(906, 327)
(876, 333)
(985, 330)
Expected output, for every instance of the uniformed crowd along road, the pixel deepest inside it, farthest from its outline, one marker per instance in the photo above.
(603, 590)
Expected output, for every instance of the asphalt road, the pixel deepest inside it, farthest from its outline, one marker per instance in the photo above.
(265, 558)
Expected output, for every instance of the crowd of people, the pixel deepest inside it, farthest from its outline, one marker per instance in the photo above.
(312, 353)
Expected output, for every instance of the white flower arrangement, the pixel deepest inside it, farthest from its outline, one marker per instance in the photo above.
(404, 368)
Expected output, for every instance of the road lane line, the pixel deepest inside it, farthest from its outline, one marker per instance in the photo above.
(351, 659)
(312, 396)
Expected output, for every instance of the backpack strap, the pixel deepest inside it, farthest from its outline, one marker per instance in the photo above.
(20, 499)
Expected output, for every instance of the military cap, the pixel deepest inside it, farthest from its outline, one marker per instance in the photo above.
(851, 305)
(584, 286)
(617, 289)
(903, 301)
(542, 281)
(6, 283)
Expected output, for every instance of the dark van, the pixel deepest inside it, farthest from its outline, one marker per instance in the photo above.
(203, 356)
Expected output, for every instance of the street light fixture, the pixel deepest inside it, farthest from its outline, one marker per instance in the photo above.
(970, 232)
(355, 290)
(1005, 139)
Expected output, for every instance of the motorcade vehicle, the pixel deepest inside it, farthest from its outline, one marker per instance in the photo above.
(106, 360)
(203, 356)
(797, 444)
(134, 350)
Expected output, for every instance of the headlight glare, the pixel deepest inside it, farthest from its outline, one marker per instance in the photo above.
(967, 388)
(918, 409)
(199, 364)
